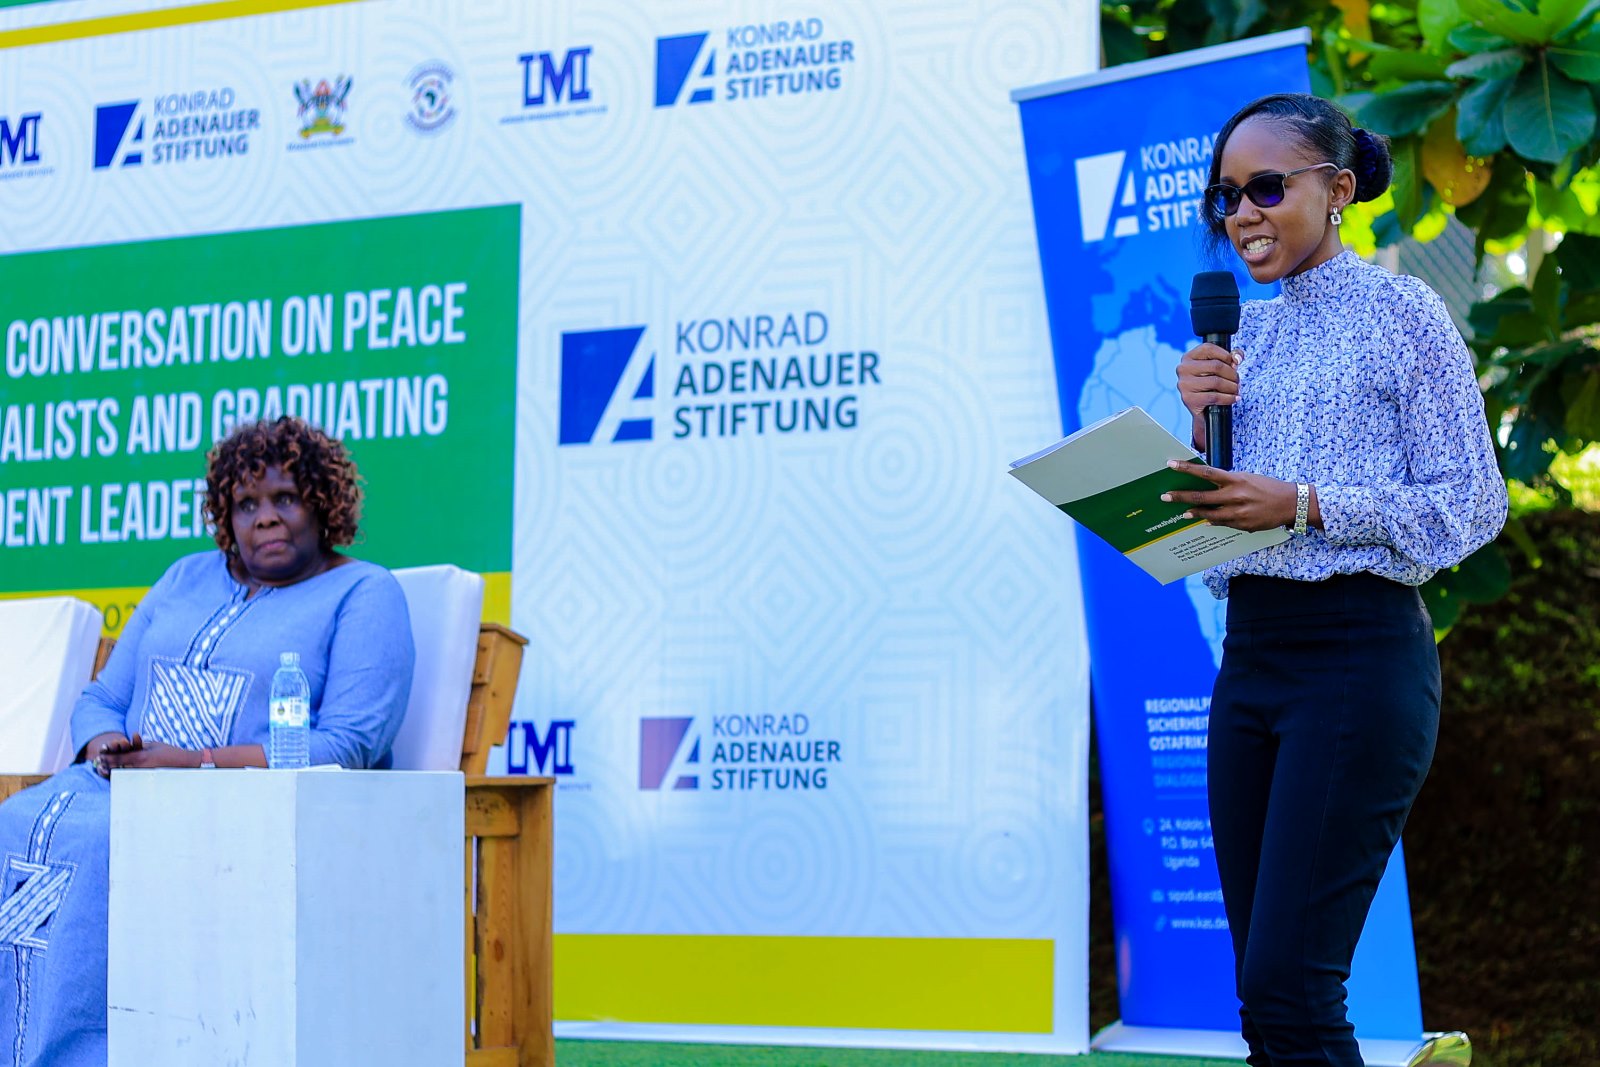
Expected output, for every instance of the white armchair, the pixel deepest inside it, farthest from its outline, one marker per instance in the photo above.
(507, 883)
(47, 650)
(445, 603)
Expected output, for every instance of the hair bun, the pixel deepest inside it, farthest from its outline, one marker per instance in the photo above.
(1373, 166)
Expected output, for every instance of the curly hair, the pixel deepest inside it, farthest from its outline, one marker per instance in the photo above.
(320, 466)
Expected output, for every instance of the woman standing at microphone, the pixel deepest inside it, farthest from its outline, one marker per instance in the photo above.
(1358, 425)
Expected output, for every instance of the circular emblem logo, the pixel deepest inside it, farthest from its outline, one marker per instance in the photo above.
(432, 98)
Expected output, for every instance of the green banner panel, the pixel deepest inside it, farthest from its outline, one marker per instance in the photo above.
(124, 364)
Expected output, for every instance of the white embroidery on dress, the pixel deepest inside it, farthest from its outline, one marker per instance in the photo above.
(32, 890)
(193, 707)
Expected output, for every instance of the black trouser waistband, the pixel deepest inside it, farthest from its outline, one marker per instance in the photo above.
(1252, 597)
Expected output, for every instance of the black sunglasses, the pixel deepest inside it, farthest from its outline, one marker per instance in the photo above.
(1264, 190)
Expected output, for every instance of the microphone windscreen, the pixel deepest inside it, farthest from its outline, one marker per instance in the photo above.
(1214, 303)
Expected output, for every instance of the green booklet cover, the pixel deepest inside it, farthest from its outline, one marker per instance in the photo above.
(1110, 476)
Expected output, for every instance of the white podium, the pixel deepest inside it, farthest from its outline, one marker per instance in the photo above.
(286, 918)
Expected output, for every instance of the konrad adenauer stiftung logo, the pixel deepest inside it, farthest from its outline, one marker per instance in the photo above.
(1158, 188)
(739, 753)
(717, 377)
(790, 57)
(173, 128)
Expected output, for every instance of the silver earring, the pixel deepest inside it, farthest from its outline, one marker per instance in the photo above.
(1336, 218)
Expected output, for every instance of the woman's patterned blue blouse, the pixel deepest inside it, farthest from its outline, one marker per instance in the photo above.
(1356, 381)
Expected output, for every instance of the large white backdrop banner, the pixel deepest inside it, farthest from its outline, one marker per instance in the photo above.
(808, 666)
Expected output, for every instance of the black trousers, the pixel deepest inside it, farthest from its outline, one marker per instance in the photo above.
(1323, 723)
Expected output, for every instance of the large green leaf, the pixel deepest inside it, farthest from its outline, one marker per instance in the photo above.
(1547, 297)
(1474, 39)
(1354, 102)
(1188, 24)
(1582, 309)
(1501, 63)
(1408, 109)
(1483, 576)
(1406, 182)
(1249, 11)
(1509, 320)
(1527, 22)
(1406, 65)
(1579, 60)
(1579, 256)
(1561, 208)
(1583, 411)
(1386, 229)
(1580, 25)
(1502, 211)
(1525, 456)
(1547, 114)
(1222, 13)
(1436, 18)
(1540, 361)
(1443, 607)
(1480, 123)
(1119, 43)
(1322, 83)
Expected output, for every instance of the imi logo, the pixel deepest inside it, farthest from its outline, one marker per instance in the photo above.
(567, 80)
(607, 385)
(529, 753)
(19, 141)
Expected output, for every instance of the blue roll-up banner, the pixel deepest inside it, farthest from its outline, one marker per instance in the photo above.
(1117, 161)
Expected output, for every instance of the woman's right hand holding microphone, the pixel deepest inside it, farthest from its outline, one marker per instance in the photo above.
(1207, 375)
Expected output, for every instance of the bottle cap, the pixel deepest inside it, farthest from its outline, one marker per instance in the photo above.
(288, 659)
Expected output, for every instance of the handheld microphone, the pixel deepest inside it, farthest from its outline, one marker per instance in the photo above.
(1214, 313)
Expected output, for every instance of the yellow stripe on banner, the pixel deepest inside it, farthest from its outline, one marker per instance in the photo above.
(155, 20)
(858, 983)
(497, 597)
(117, 604)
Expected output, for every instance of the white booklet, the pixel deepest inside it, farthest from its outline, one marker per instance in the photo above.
(1110, 477)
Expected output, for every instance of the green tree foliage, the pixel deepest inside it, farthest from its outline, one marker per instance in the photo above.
(1491, 107)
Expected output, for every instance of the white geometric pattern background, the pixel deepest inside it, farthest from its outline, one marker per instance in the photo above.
(889, 582)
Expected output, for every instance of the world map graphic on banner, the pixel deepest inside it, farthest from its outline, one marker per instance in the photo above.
(1145, 337)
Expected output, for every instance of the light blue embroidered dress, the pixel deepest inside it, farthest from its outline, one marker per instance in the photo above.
(194, 669)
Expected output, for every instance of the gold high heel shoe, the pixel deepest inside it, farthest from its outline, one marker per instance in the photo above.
(1442, 1050)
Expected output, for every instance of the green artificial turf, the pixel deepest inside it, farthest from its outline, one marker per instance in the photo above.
(639, 1054)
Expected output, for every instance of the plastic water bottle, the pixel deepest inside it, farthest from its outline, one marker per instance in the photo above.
(289, 745)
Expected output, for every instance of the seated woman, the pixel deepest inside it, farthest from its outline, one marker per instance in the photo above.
(188, 686)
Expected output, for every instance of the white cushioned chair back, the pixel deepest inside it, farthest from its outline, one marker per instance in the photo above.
(47, 647)
(446, 604)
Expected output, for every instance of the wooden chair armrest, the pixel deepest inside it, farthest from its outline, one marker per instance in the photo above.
(16, 783)
(494, 685)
